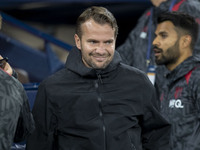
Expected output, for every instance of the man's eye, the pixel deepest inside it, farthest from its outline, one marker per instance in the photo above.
(108, 42)
(164, 35)
(92, 42)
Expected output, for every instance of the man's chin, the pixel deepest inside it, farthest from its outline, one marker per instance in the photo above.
(158, 62)
(99, 66)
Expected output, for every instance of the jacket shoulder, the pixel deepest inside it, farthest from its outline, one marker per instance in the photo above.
(132, 69)
(135, 73)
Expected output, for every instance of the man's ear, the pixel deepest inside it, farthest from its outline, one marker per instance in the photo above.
(77, 41)
(186, 41)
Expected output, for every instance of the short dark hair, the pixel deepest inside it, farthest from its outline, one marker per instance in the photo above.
(100, 15)
(183, 22)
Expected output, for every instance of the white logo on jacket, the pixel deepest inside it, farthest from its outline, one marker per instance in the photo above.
(175, 103)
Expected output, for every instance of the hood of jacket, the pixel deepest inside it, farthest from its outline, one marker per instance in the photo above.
(182, 69)
(76, 65)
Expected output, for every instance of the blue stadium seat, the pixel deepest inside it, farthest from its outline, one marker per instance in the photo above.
(31, 91)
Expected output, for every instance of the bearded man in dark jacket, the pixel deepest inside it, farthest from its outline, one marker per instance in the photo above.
(97, 102)
(137, 49)
(176, 34)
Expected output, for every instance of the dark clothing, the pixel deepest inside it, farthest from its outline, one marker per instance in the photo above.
(137, 49)
(180, 104)
(14, 74)
(80, 108)
(16, 121)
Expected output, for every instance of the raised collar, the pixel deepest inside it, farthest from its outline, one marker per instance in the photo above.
(75, 64)
(183, 68)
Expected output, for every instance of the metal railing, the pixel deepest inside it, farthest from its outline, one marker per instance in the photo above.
(46, 37)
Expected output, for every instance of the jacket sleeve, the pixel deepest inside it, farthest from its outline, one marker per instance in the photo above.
(137, 39)
(156, 130)
(133, 42)
(25, 125)
(43, 136)
(194, 142)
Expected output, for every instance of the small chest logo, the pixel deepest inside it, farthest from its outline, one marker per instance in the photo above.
(175, 103)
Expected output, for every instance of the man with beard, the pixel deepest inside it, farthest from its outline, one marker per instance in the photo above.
(137, 49)
(175, 37)
(97, 102)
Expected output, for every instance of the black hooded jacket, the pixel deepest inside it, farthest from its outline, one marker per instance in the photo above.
(80, 108)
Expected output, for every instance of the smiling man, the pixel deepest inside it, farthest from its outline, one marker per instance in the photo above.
(97, 46)
(176, 35)
(97, 102)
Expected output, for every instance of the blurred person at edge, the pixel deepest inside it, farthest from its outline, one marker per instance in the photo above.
(7, 67)
(137, 48)
(16, 121)
(175, 38)
(96, 102)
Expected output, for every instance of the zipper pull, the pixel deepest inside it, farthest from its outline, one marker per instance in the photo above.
(99, 78)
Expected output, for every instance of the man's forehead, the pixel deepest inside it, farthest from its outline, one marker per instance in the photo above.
(166, 26)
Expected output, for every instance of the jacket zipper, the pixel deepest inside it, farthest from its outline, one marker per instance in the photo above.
(99, 78)
(132, 144)
(100, 108)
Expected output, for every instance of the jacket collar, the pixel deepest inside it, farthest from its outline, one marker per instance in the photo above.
(75, 64)
(183, 68)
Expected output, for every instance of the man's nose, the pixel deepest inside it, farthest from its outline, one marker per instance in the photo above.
(101, 48)
(155, 42)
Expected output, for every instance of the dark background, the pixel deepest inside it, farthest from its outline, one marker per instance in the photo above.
(126, 12)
